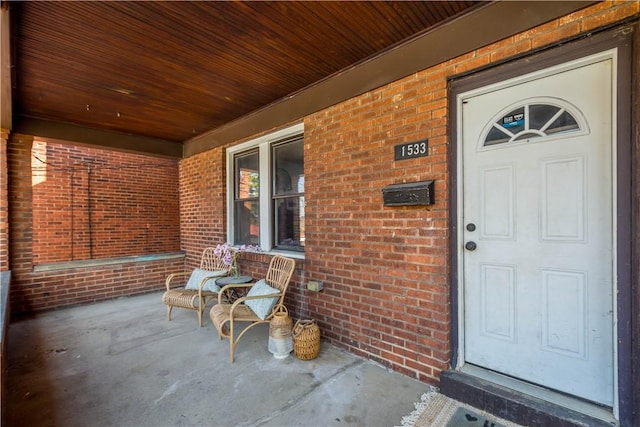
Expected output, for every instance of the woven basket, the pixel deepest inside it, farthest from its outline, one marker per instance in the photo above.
(306, 339)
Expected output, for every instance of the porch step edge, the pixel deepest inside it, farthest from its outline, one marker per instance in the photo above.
(510, 404)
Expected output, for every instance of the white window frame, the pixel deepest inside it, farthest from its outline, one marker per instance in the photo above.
(263, 144)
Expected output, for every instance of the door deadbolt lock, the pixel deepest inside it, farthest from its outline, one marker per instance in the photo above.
(471, 246)
(471, 227)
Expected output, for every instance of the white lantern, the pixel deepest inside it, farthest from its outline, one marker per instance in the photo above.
(280, 332)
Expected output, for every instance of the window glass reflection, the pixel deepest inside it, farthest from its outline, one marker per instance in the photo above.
(288, 195)
(247, 223)
(290, 223)
(247, 176)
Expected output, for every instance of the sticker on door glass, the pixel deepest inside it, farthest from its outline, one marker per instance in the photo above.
(513, 120)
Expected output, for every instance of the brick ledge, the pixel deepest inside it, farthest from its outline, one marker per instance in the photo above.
(106, 261)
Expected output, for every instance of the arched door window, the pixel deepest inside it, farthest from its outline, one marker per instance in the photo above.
(533, 119)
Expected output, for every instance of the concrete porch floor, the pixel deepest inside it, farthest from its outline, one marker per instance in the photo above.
(121, 363)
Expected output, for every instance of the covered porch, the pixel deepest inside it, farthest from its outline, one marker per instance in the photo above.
(116, 174)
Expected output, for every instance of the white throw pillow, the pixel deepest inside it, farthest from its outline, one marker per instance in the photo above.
(210, 285)
(261, 306)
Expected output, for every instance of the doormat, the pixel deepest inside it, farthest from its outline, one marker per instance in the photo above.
(438, 410)
(465, 417)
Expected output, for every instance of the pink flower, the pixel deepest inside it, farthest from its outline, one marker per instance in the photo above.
(230, 254)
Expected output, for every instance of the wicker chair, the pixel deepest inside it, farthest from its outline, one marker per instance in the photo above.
(225, 316)
(194, 299)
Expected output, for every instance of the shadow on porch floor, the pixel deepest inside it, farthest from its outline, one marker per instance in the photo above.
(121, 363)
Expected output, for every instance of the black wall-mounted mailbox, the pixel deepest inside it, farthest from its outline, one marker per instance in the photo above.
(408, 194)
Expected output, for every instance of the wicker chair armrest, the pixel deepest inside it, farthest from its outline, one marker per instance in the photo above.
(173, 276)
(231, 286)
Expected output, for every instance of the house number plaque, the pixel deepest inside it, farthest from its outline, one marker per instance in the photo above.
(410, 150)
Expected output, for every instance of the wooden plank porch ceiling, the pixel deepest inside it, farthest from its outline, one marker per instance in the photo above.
(167, 72)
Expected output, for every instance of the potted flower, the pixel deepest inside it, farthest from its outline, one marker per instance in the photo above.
(230, 255)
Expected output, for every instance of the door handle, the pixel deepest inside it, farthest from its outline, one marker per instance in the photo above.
(471, 246)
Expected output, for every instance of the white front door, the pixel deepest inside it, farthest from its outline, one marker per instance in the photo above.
(537, 228)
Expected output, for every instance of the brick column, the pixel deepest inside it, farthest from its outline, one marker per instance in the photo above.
(4, 202)
(20, 212)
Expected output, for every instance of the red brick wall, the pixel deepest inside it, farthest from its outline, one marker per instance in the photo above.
(36, 207)
(202, 203)
(31, 292)
(385, 270)
(92, 203)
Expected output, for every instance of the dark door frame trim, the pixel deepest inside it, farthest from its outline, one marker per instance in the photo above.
(623, 38)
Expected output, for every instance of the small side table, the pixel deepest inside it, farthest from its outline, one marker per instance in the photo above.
(233, 280)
